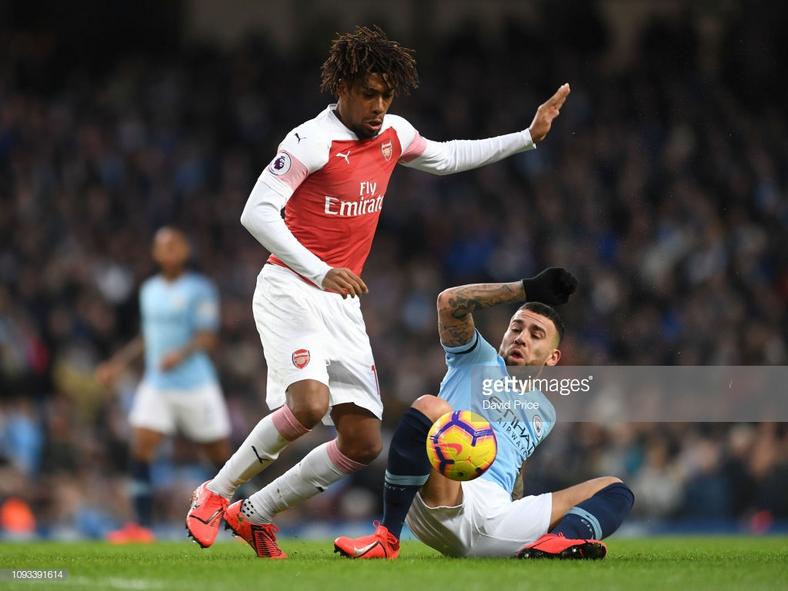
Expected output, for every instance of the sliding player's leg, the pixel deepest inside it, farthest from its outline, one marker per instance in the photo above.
(407, 471)
(409, 468)
(581, 516)
(480, 519)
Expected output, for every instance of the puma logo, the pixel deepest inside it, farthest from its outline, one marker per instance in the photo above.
(346, 156)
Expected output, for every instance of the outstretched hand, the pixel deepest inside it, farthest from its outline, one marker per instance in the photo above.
(547, 112)
(553, 286)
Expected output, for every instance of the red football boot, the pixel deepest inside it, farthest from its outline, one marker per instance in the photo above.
(260, 536)
(557, 546)
(381, 544)
(205, 515)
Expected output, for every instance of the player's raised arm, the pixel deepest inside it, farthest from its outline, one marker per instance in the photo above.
(553, 286)
(457, 304)
(461, 155)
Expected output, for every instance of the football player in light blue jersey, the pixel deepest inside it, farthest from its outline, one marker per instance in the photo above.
(179, 390)
(479, 518)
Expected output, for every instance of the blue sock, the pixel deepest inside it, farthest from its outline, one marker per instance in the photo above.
(142, 492)
(597, 517)
(408, 468)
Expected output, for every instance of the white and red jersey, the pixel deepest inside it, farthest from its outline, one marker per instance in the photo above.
(339, 185)
(332, 186)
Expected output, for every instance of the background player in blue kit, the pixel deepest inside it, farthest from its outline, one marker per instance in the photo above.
(478, 518)
(180, 390)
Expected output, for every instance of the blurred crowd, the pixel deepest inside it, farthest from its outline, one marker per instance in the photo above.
(663, 186)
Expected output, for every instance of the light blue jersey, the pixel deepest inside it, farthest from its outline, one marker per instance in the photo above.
(172, 313)
(521, 421)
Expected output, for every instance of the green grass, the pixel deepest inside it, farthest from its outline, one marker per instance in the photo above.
(677, 564)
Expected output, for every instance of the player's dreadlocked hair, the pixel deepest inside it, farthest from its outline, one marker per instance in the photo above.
(364, 51)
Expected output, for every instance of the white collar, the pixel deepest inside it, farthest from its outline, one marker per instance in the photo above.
(331, 108)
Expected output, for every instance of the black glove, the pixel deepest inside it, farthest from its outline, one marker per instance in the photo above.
(553, 286)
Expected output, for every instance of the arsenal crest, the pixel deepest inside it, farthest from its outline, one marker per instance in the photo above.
(386, 150)
(301, 358)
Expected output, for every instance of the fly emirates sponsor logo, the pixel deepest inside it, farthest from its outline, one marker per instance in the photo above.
(366, 203)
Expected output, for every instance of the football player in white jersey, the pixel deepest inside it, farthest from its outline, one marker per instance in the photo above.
(330, 176)
(179, 390)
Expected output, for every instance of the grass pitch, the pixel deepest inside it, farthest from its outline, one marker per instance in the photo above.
(678, 564)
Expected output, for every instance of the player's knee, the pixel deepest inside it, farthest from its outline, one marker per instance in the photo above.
(620, 494)
(363, 451)
(309, 413)
(431, 406)
(309, 402)
(369, 452)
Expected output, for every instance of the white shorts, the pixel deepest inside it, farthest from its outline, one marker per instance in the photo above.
(486, 523)
(311, 334)
(200, 414)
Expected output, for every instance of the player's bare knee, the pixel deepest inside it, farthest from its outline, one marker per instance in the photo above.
(310, 413)
(368, 453)
(362, 451)
(431, 406)
(308, 400)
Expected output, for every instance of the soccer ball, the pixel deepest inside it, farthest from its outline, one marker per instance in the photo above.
(461, 445)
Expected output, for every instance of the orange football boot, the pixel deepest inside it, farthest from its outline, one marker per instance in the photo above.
(260, 536)
(381, 544)
(205, 515)
(558, 546)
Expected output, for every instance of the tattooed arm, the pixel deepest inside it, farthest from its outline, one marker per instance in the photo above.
(456, 304)
(553, 286)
